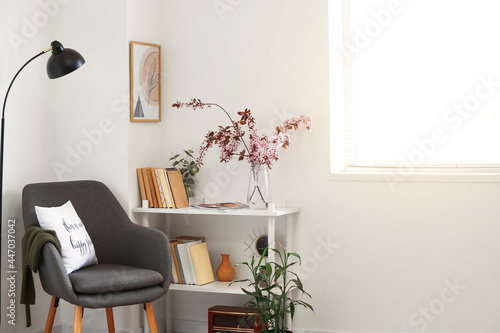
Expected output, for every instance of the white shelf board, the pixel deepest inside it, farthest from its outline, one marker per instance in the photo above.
(213, 287)
(235, 212)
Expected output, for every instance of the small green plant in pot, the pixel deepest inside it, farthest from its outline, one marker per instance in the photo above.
(275, 300)
(188, 168)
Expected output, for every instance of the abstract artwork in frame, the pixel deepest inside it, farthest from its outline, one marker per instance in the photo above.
(145, 82)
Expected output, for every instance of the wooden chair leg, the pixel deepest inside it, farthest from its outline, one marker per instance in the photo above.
(151, 317)
(111, 322)
(54, 303)
(77, 324)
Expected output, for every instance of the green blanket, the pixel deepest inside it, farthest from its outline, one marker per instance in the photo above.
(33, 240)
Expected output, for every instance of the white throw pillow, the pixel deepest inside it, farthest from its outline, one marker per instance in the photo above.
(76, 246)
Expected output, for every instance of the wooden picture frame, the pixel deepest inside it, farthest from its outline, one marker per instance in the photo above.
(145, 82)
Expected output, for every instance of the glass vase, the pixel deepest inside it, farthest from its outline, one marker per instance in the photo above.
(259, 189)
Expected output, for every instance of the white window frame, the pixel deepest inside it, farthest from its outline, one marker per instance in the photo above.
(341, 77)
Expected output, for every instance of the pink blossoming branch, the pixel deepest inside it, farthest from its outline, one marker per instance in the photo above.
(260, 150)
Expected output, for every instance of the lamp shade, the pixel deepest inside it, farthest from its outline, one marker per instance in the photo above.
(63, 61)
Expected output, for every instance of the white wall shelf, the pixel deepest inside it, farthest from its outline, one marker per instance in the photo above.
(235, 212)
(213, 287)
(271, 215)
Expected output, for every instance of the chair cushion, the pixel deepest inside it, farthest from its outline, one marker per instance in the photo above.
(104, 278)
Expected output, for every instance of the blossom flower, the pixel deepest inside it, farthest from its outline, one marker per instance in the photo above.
(260, 150)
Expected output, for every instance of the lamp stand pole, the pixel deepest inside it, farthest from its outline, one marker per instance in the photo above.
(3, 130)
(61, 62)
(3, 140)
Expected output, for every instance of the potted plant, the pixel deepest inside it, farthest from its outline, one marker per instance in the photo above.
(275, 300)
(188, 168)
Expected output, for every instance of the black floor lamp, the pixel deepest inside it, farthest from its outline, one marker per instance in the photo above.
(61, 62)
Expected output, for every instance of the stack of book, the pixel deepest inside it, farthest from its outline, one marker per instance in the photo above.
(190, 261)
(163, 188)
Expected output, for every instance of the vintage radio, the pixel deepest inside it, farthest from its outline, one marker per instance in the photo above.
(228, 319)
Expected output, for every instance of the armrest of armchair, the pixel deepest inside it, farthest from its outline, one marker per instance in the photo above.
(55, 280)
(142, 247)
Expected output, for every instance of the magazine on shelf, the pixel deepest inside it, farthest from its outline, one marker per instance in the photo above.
(222, 206)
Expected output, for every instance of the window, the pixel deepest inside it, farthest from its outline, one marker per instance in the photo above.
(415, 85)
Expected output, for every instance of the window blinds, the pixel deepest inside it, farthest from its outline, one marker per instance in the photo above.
(421, 83)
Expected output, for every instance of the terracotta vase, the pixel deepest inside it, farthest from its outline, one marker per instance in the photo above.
(225, 272)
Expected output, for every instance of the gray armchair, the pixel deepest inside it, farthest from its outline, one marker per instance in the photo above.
(134, 261)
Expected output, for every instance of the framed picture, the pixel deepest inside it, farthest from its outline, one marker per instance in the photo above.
(145, 82)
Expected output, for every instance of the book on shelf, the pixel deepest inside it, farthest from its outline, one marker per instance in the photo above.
(146, 186)
(200, 238)
(178, 262)
(177, 186)
(222, 206)
(142, 187)
(191, 261)
(176, 275)
(163, 188)
(156, 193)
(201, 263)
(151, 188)
(169, 202)
(187, 261)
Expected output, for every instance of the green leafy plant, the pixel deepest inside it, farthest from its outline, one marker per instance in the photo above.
(188, 168)
(274, 301)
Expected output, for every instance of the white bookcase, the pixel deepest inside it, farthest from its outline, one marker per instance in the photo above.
(272, 220)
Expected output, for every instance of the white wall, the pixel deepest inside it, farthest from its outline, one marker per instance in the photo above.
(145, 144)
(145, 147)
(29, 135)
(394, 254)
(70, 128)
(92, 128)
(375, 259)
